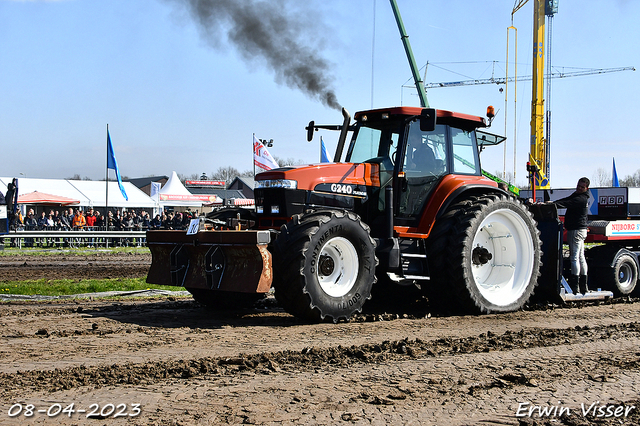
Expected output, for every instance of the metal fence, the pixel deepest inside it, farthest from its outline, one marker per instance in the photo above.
(83, 238)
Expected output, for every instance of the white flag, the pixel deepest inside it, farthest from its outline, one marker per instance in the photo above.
(261, 156)
(155, 189)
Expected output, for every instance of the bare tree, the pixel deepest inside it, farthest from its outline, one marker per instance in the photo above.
(227, 174)
(282, 162)
(631, 181)
(507, 178)
(601, 178)
(183, 178)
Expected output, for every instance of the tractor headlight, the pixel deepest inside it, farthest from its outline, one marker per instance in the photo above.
(277, 183)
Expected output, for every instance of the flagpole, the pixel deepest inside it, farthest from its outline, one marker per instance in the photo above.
(106, 197)
(253, 160)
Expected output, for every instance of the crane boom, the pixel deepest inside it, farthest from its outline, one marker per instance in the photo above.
(422, 93)
(502, 80)
(538, 146)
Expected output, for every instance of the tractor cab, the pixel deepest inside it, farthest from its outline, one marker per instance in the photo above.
(413, 149)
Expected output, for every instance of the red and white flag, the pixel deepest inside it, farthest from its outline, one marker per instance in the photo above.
(261, 156)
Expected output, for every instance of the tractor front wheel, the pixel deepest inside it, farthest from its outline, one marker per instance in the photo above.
(324, 265)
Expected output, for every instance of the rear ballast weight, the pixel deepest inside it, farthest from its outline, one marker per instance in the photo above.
(231, 261)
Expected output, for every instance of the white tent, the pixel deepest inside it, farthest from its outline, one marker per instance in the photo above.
(174, 186)
(96, 192)
(89, 193)
(174, 194)
(59, 187)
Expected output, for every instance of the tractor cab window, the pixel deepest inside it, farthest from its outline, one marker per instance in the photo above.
(373, 145)
(426, 151)
(465, 155)
(425, 162)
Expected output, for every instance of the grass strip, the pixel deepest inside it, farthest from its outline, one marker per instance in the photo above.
(66, 287)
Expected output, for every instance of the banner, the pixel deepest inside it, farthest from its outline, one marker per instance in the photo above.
(205, 183)
(207, 198)
(614, 180)
(261, 156)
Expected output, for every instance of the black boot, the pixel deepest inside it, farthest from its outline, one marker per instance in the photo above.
(582, 283)
(573, 283)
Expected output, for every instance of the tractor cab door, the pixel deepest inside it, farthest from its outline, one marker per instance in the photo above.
(376, 143)
(424, 163)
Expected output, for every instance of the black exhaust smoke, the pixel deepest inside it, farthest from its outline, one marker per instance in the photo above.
(263, 32)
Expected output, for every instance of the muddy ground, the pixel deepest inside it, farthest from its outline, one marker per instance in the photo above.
(169, 361)
(88, 265)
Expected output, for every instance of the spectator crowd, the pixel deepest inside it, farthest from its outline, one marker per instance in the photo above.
(126, 220)
(93, 220)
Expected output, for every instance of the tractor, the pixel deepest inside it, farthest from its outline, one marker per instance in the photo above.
(408, 205)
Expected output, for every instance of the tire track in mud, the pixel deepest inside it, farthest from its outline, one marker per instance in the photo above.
(97, 265)
(347, 372)
(312, 358)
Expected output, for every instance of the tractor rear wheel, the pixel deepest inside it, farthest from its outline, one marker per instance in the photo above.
(324, 265)
(484, 255)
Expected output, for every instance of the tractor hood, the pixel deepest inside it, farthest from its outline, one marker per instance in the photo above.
(311, 177)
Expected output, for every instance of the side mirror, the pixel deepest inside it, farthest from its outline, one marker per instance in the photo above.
(428, 120)
(310, 130)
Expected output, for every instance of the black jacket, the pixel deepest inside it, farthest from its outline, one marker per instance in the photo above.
(577, 206)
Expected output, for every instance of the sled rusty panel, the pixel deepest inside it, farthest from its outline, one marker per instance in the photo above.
(217, 260)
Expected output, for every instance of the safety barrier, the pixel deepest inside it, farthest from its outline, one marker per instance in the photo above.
(45, 238)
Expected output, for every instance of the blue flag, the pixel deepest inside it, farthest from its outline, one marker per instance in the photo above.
(113, 164)
(324, 158)
(614, 181)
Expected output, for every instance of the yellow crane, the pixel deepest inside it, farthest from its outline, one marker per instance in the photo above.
(539, 152)
(538, 165)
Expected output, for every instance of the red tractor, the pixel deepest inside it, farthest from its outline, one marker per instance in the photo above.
(409, 205)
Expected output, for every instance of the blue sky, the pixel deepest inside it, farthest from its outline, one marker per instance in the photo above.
(177, 98)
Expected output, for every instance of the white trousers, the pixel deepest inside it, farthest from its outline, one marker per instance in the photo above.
(575, 238)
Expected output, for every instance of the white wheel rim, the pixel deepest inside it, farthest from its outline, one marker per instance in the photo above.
(625, 276)
(337, 278)
(504, 278)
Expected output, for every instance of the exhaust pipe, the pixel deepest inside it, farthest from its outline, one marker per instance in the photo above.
(343, 135)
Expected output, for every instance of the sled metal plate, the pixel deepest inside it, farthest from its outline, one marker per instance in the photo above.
(237, 261)
(567, 295)
(589, 296)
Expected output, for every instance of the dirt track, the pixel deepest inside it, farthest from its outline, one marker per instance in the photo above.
(186, 365)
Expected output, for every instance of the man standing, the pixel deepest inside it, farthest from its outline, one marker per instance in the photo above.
(575, 222)
(99, 223)
(79, 221)
(66, 220)
(91, 219)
